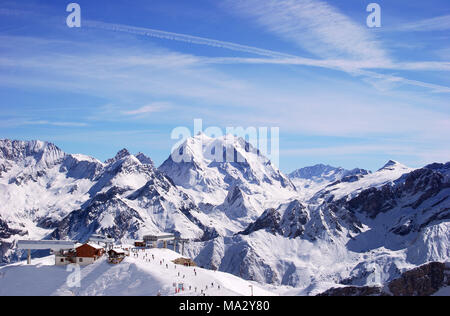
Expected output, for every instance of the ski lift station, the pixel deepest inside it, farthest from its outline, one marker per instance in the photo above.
(53, 245)
(71, 251)
(100, 239)
(154, 240)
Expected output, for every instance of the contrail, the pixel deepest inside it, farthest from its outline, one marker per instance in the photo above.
(185, 38)
(354, 68)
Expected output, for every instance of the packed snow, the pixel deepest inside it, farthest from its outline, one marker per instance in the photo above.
(150, 272)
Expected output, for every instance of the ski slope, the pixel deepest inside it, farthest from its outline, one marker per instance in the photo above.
(136, 275)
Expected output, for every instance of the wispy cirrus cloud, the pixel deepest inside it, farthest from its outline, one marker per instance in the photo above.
(340, 43)
(147, 109)
(440, 23)
(341, 64)
(313, 25)
(56, 123)
(365, 58)
(357, 68)
(24, 122)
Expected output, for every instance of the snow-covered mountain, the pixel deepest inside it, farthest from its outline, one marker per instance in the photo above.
(213, 165)
(309, 180)
(316, 229)
(47, 193)
(39, 186)
(382, 225)
(391, 172)
(227, 175)
(321, 173)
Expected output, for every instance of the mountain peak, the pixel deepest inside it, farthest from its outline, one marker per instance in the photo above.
(392, 165)
(220, 162)
(319, 170)
(144, 159)
(41, 151)
(120, 154)
(203, 150)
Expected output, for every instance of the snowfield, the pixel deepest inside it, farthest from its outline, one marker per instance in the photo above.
(135, 276)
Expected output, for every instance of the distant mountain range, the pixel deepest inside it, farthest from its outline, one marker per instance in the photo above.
(322, 173)
(318, 228)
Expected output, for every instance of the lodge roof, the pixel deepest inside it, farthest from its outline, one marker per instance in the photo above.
(95, 246)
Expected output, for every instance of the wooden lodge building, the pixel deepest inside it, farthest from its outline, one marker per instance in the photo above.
(83, 254)
(185, 262)
(116, 256)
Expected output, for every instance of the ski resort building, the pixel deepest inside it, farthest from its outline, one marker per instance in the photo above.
(100, 239)
(66, 256)
(65, 251)
(140, 244)
(116, 256)
(82, 254)
(185, 262)
(56, 246)
(152, 241)
(89, 253)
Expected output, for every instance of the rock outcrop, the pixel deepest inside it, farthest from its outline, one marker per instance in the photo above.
(425, 280)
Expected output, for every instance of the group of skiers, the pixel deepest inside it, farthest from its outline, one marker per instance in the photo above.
(146, 257)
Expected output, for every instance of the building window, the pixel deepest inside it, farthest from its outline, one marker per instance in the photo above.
(81, 259)
(62, 260)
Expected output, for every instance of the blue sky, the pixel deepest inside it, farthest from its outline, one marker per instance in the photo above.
(340, 92)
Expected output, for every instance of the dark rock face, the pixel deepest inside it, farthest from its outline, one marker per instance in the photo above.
(422, 281)
(289, 223)
(424, 183)
(441, 167)
(443, 215)
(294, 219)
(145, 159)
(269, 221)
(354, 291)
(80, 169)
(79, 225)
(234, 195)
(121, 154)
(6, 231)
(3, 168)
(374, 201)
